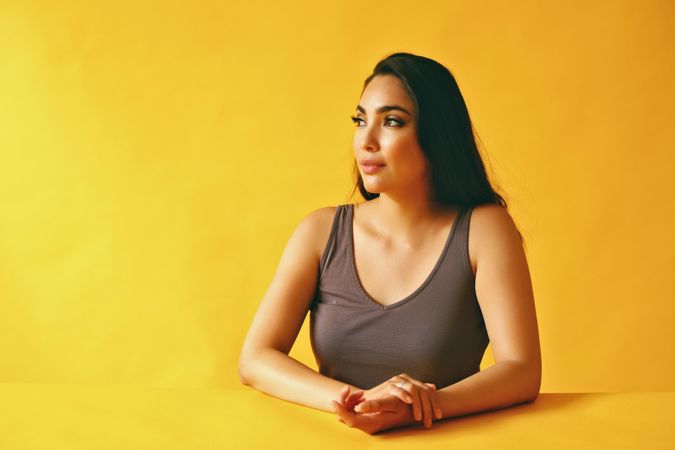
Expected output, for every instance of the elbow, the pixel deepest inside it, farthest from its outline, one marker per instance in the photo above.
(533, 395)
(529, 394)
(534, 384)
(529, 376)
(244, 372)
(242, 375)
(251, 363)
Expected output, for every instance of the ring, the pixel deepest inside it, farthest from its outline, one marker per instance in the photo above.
(400, 384)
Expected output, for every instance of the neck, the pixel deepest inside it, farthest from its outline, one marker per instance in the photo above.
(407, 217)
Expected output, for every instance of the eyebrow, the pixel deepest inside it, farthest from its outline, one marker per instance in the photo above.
(384, 108)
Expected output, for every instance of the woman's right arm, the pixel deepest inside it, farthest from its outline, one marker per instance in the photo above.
(264, 363)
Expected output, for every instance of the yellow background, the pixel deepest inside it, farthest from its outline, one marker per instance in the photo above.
(156, 156)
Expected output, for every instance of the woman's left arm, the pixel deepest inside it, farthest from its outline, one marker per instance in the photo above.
(504, 292)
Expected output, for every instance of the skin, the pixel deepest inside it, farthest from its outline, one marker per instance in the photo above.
(403, 214)
(402, 226)
(397, 415)
(404, 229)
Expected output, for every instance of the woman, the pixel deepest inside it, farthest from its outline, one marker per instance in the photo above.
(403, 300)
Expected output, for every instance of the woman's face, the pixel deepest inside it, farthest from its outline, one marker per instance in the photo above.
(385, 133)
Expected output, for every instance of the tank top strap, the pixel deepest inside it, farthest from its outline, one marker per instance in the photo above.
(358, 342)
(335, 251)
(463, 222)
(459, 247)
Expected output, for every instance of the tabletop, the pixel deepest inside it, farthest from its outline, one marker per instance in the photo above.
(77, 416)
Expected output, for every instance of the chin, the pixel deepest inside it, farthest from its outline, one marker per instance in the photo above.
(373, 189)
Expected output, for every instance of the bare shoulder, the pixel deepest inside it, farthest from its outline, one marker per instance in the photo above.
(491, 217)
(491, 229)
(286, 301)
(504, 291)
(317, 225)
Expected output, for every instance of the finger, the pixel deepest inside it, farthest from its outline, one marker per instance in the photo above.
(367, 422)
(343, 415)
(435, 405)
(368, 406)
(336, 409)
(353, 400)
(417, 403)
(356, 394)
(418, 383)
(351, 403)
(379, 405)
(400, 393)
(422, 390)
(427, 411)
(430, 408)
(411, 390)
(409, 393)
(344, 393)
(356, 404)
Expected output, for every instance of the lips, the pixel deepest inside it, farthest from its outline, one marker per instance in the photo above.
(371, 167)
(371, 162)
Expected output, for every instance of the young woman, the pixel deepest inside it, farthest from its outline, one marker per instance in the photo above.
(403, 299)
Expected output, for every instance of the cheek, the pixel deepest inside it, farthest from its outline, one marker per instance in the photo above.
(409, 156)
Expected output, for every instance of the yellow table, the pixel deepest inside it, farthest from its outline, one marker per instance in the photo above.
(51, 416)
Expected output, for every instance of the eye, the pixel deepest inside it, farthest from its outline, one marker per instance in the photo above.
(396, 122)
(356, 120)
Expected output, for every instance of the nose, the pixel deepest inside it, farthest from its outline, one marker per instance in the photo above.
(368, 139)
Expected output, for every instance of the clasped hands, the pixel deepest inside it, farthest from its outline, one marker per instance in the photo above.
(399, 401)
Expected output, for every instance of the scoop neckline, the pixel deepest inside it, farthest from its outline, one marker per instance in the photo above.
(412, 295)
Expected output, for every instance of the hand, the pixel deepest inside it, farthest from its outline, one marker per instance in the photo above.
(350, 399)
(422, 396)
(397, 413)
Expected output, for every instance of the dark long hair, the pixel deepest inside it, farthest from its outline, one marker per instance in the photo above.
(445, 133)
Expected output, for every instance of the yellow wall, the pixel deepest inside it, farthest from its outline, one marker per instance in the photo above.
(155, 157)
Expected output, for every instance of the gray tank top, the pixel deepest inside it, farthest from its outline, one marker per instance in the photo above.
(436, 334)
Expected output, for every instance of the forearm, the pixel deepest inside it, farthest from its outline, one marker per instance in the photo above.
(277, 374)
(500, 385)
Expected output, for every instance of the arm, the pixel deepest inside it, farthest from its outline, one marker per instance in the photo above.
(264, 363)
(277, 374)
(504, 292)
(501, 385)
